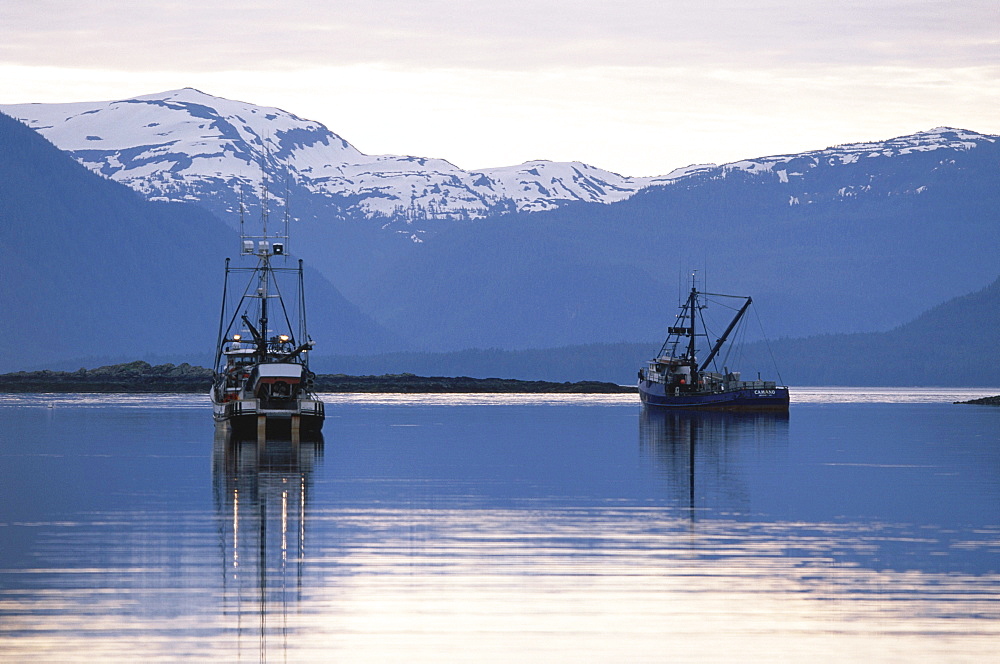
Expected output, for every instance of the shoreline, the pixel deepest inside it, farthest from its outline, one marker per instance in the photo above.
(984, 401)
(141, 377)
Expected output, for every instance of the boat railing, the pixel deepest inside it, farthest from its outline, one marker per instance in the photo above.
(244, 407)
(250, 407)
(752, 385)
(717, 384)
(312, 408)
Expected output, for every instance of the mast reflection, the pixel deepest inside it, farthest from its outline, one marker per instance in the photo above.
(701, 454)
(261, 499)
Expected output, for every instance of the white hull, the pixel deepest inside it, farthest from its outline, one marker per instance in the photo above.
(305, 415)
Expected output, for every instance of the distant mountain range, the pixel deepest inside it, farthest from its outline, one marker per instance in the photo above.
(955, 343)
(952, 344)
(858, 238)
(185, 145)
(920, 228)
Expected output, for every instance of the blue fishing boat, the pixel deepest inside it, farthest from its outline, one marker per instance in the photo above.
(676, 379)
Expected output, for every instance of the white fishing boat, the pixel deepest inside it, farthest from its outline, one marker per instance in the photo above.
(262, 381)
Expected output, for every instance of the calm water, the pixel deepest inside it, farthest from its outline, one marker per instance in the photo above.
(863, 526)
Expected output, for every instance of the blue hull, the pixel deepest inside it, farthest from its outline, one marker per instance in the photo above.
(746, 398)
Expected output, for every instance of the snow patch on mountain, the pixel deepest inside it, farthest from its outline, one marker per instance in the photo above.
(939, 138)
(185, 145)
(854, 169)
(179, 145)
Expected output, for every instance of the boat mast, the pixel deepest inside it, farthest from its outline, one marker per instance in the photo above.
(264, 253)
(303, 330)
(676, 332)
(693, 305)
(268, 246)
(262, 291)
(262, 247)
(222, 318)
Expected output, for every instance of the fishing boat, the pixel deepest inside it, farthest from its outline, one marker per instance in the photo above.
(262, 382)
(675, 378)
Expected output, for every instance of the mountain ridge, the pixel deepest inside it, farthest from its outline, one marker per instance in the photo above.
(934, 349)
(186, 145)
(183, 144)
(853, 238)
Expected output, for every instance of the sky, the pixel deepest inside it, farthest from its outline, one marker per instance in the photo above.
(633, 86)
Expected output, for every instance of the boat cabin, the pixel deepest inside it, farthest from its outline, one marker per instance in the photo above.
(676, 374)
(276, 381)
(670, 371)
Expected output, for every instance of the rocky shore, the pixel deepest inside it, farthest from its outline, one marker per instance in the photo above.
(985, 401)
(140, 376)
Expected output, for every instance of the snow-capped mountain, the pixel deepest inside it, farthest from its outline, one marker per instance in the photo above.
(187, 145)
(850, 153)
(850, 238)
(860, 167)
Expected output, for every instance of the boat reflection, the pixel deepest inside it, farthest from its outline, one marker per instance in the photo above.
(702, 455)
(262, 501)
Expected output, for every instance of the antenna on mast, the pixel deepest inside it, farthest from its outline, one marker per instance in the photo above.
(287, 213)
(248, 247)
(266, 157)
(680, 282)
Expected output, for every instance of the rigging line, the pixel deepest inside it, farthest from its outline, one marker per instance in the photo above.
(737, 344)
(676, 337)
(743, 356)
(735, 297)
(304, 332)
(768, 344)
(708, 333)
(729, 349)
(723, 304)
(284, 311)
(741, 348)
(239, 307)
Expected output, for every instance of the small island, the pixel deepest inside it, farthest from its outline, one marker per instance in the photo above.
(984, 401)
(142, 377)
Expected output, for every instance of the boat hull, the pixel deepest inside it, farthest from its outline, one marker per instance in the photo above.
(747, 398)
(247, 416)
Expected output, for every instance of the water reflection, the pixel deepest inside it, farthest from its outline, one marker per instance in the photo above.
(262, 502)
(700, 454)
(499, 533)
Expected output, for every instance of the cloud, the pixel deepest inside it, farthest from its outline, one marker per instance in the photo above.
(633, 86)
(514, 35)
